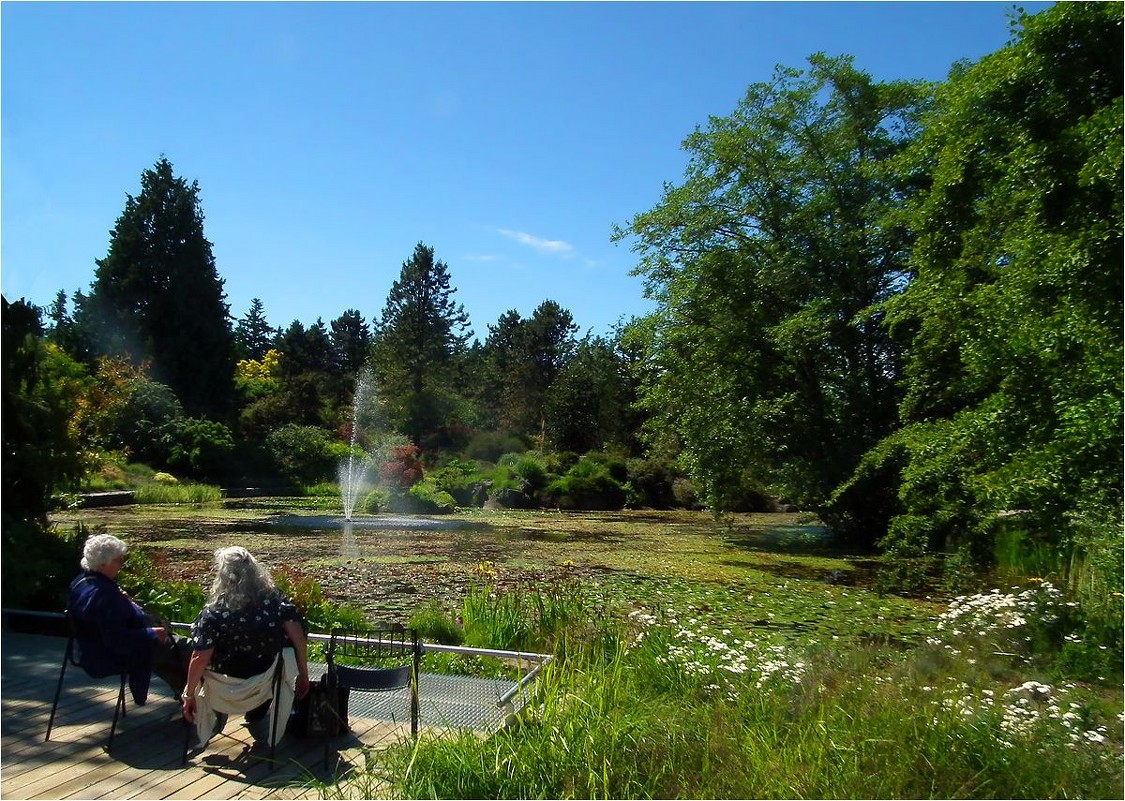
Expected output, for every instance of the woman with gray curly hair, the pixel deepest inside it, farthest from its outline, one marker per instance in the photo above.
(243, 627)
(115, 632)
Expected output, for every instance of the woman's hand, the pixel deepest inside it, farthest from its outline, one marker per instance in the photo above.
(189, 708)
(302, 685)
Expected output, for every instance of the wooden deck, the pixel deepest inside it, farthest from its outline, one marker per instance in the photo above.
(147, 749)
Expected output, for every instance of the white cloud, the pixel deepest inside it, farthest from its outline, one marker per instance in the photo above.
(480, 257)
(545, 245)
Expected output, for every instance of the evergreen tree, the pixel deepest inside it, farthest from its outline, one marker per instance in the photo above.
(420, 336)
(157, 296)
(351, 339)
(253, 336)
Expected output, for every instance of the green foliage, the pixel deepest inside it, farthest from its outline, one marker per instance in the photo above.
(650, 483)
(305, 454)
(38, 564)
(524, 359)
(176, 601)
(539, 617)
(198, 447)
(139, 425)
(587, 485)
(41, 452)
(461, 479)
(434, 624)
(590, 402)
(488, 446)
(1013, 387)
(377, 500)
(426, 498)
(764, 353)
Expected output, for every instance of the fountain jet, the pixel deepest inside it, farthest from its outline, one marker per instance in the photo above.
(353, 470)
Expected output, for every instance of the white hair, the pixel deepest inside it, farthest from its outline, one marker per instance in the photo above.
(101, 549)
(239, 580)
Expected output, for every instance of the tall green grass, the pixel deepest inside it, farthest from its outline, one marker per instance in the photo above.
(639, 708)
(177, 493)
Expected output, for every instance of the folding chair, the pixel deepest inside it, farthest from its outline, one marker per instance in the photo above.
(278, 672)
(382, 660)
(73, 656)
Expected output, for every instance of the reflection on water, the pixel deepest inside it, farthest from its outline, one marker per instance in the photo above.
(401, 522)
(348, 547)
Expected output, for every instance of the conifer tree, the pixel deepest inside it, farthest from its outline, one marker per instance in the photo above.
(158, 298)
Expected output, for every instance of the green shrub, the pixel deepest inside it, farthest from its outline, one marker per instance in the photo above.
(305, 454)
(38, 563)
(651, 484)
(425, 498)
(587, 485)
(435, 625)
(201, 448)
(176, 601)
(375, 501)
(320, 614)
(461, 479)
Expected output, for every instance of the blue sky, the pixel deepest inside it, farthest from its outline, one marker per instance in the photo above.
(329, 138)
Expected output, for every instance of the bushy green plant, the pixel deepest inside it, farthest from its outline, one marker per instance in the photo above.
(425, 498)
(176, 601)
(305, 454)
(434, 624)
(587, 485)
(650, 484)
(198, 447)
(461, 479)
(38, 563)
(375, 501)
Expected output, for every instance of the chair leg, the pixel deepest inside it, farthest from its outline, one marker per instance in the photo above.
(58, 687)
(118, 711)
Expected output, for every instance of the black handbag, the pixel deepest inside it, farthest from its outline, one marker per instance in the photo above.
(323, 712)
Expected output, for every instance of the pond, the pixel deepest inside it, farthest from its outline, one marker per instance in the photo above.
(769, 572)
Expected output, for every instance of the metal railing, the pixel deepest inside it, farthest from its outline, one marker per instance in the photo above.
(540, 660)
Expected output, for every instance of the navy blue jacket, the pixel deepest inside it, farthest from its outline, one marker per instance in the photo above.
(113, 635)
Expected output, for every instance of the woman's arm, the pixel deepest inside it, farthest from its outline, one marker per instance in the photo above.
(199, 662)
(300, 646)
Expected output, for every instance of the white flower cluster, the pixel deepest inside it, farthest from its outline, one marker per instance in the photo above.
(986, 613)
(703, 655)
(1023, 710)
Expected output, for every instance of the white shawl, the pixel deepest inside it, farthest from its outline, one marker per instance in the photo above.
(221, 693)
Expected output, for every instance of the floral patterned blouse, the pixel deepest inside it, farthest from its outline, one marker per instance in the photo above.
(246, 641)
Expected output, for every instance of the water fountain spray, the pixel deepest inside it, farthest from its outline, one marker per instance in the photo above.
(353, 470)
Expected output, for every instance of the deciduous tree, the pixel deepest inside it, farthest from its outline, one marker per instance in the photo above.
(766, 263)
(1014, 317)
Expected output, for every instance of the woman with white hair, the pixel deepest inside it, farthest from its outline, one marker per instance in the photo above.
(115, 633)
(242, 629)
